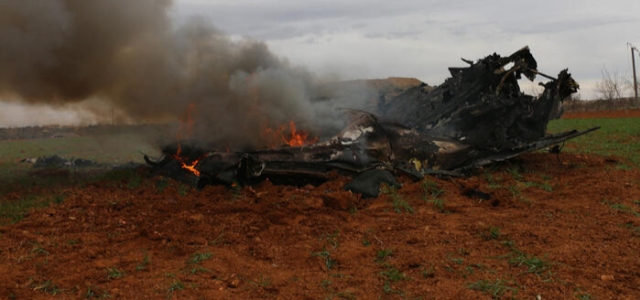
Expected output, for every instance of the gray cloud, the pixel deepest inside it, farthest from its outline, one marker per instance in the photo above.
(579, 35)
(150, 59)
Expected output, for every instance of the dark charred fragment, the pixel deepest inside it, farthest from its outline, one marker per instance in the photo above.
(368, 183)
(476, 194)
(476, 117)
(482, 105)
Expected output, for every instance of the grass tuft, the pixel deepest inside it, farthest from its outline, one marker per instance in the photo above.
(432, 194)
(198, 258)
(400, 205)
(48, 287)
(382, 255)
(174, 286)
(12, 212)
(325, 255)
(624, 208)
(534, 264)
(144, 264)
(496, 289)
(493, 233)
(262, 281)
(114, 273)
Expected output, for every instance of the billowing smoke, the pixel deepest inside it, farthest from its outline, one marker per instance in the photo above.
(127, 53)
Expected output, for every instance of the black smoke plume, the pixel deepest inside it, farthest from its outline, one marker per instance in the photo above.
(128, 54)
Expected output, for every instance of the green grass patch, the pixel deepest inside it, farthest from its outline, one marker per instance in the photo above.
(382, 255)
(492, 180)
(174, 286)
(325, 255)
(107, 149)
(114, 273)
(492, 233)
(582, 295)
(433, 194)
(618, 137)
(399, 204)
(624, 208)
(330, 239)
(94, 292)
(261, 281)
(13, 211)
(194, 261)
(48, 287)
(533, 264)
(635, 230)
(116, 148)
(144, 264)
(198, 258)
(431, 189)
(516, 173)
(393, 274)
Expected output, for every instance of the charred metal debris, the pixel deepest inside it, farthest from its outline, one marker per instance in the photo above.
(478, 116)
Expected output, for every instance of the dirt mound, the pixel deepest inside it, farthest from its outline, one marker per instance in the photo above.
(555, 226)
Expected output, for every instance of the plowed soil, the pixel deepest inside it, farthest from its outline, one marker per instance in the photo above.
(553, 226)
(619, 113)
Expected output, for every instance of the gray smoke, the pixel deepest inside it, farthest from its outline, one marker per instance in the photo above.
(127, 53)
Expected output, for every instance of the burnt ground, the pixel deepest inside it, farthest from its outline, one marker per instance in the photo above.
(559, 226)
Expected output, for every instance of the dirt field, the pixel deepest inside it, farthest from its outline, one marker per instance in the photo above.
(555, 226)
(629, 113)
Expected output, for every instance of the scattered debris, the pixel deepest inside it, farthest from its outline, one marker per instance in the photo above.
(368, 183)
(476, 194)
(56, 161)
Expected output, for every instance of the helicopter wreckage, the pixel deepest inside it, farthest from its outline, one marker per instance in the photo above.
(478, 116)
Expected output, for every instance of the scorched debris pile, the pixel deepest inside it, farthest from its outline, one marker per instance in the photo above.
(477, 116)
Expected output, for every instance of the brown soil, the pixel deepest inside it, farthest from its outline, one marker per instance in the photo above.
(571, 219)
(622, 113)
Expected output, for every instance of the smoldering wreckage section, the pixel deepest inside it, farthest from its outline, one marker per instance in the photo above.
(478, 116)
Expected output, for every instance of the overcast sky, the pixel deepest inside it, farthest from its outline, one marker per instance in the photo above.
(378, 39)
(408, 38)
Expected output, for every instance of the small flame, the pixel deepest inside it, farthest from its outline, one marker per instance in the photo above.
(291, 137)
(186, 128)
(191, 167)
(297, 138)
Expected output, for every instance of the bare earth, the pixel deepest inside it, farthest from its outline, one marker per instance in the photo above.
(629, 113)
(559, 226)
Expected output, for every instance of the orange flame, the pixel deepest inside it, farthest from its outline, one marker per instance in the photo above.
(297, 138)
(191, 167)
(292, 138)
(186, 127)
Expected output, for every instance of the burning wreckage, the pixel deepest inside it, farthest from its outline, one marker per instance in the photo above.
(476, 117)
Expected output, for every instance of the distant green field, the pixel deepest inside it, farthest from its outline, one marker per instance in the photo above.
(617, 137)
(42, 190)
(110, 149)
